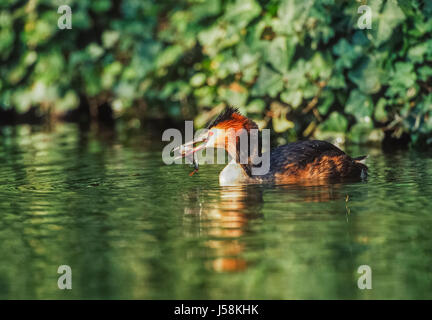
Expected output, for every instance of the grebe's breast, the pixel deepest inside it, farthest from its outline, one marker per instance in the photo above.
(233, 175)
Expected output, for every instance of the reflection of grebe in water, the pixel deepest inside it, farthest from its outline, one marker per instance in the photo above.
(225, 222)
(226, 219)
(291, 163)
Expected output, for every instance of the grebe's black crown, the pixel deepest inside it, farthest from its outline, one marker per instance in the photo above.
(223, 116)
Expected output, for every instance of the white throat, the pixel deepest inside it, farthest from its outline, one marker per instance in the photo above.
(233, 174)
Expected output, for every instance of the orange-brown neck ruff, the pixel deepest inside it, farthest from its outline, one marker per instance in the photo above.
(231, 121)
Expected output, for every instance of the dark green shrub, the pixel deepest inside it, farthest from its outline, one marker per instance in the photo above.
(301, 67)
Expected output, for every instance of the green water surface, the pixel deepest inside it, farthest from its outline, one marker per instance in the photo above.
(130, 227)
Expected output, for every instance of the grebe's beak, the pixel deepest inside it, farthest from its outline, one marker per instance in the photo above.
(193, 146)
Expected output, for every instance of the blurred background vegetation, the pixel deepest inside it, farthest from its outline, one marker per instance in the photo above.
(302, 68)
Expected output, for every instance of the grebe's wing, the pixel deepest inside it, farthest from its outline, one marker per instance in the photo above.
(301, 153)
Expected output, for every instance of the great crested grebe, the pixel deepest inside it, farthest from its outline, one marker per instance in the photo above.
(297, 162)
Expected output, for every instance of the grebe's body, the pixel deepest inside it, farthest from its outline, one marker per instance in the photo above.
(297, 162)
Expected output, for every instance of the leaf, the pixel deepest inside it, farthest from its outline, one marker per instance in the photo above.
(416, 53)
(256, 106)
(101, 5)
(401, 78)
(360, 106)
(319, 67)
(364, 133)
(206, 9)
(279, 118)
(389, 19)
(236, 98)
(269, 83)
(204, 96)
(281, 124)
(334, 123)
(367, 76)
(168, 56)
(198, 79)
(337, 81)
(292, 97)
(21, 100)
(380, 113)
(425, 73)
(278, 54)
(7, 35)
(211, 36)
(109, 38)
(110, 73)
(94, 51)
(327, 99)
(292, 15)
(346, 52)
(68, 102)
(241, 12)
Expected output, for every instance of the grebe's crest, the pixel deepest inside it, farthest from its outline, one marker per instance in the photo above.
(231, 118)
(225, 115)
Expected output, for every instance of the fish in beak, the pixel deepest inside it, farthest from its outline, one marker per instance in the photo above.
(190, 149)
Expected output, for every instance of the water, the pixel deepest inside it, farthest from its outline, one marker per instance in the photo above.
(131, 227)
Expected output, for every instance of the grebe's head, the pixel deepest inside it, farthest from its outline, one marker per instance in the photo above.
(226, 127)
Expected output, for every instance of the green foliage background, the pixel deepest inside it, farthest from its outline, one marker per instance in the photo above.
(300, 67)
